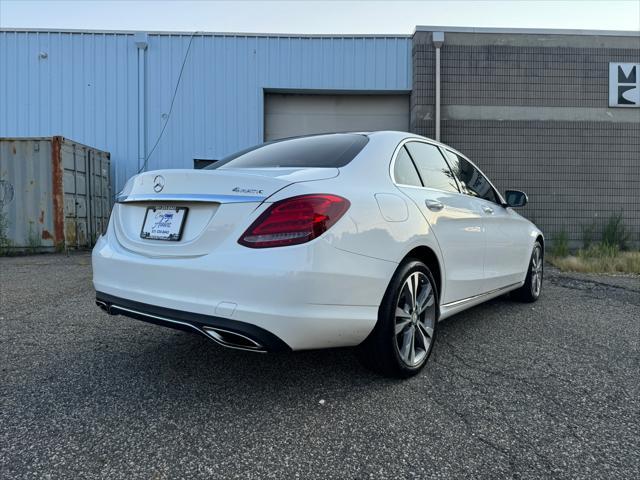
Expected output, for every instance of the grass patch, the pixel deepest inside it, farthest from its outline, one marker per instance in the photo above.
(560, 245)
(610, 255)
(599, 258)
(615, 233)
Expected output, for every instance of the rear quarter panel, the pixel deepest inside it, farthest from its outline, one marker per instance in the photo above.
(363, 229)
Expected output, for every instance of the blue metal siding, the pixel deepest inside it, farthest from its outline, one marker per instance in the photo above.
(86, 89)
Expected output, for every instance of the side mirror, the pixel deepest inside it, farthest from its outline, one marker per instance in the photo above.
(515, 198)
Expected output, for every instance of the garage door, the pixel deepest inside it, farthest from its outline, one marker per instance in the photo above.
(288, 115)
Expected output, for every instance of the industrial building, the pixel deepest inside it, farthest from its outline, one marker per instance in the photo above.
(555, 113)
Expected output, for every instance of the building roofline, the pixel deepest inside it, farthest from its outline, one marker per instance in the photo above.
(204, 34)
(529, 31)
(419, 28)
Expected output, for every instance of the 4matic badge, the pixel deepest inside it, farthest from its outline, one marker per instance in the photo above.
(248, 190)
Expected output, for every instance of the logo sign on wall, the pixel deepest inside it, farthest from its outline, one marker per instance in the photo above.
(624, 84)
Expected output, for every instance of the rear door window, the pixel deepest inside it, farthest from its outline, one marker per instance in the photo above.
(323, 151)
(432, 167)
(472, 181)
(404, 171)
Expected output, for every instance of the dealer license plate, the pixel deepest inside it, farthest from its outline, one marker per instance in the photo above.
(163, 223)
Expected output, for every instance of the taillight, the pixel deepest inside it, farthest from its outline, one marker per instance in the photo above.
(294, 220)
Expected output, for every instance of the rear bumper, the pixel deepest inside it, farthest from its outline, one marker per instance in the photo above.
(225, 332)
(308, 296)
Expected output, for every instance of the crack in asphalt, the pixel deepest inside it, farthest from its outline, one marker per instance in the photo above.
(588, 284)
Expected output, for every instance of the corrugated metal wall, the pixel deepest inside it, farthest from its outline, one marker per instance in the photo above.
(85, 89)
(84, 86)
(27, 215)
(54, 194)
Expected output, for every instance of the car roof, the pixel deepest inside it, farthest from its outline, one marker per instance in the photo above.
(391, 135)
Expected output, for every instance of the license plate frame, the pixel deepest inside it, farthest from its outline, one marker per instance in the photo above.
(173, 235)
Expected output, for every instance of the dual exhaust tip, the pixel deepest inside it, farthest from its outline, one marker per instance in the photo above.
(230, 339)
(221, 336)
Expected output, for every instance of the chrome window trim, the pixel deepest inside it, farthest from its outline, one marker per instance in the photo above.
(440, 146)
(397, 151)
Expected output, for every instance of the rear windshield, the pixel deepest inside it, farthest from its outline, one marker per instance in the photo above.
(334, 150)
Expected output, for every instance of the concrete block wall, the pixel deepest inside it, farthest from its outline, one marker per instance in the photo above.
(532, 111)
(529, 76)
(576, 174)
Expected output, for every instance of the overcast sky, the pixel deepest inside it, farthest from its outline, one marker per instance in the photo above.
(318, 16)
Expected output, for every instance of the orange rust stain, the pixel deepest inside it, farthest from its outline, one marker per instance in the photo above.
(46, 235)
(57, 193)
(41, 217)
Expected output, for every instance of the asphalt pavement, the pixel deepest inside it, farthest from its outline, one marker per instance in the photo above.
(512, 390)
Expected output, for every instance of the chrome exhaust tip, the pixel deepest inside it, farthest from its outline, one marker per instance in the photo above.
(103, 306)
(221, 336)
(231, 339)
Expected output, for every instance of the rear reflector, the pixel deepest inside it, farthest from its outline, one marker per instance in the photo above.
(295, 220)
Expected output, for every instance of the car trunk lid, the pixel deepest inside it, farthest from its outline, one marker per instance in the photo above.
(217, 203)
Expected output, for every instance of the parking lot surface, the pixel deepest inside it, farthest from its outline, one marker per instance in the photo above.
(512, 390)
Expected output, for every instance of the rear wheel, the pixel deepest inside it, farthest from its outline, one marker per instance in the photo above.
(530, 291)
(403, 338)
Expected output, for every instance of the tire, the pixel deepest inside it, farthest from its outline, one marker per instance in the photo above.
(530, 291)
(405, 353)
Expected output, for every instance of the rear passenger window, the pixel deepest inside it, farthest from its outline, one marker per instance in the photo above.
(432, 167)
(473, 182)
(404, 172)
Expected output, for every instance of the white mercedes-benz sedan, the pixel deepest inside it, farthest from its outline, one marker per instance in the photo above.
(333, 240)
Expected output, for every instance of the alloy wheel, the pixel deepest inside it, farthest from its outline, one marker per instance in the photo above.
(536, 272)
(415, 319)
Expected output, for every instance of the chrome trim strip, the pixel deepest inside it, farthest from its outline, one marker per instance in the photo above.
(157, 317)
(114, 307)
(188, 197)
(480, 295)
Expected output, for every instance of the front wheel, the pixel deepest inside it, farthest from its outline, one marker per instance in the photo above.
(403, 338)
(530, 291)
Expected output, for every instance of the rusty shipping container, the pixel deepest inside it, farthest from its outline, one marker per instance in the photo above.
(55, 194)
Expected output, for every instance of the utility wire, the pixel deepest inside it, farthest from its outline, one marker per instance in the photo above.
(173, 99)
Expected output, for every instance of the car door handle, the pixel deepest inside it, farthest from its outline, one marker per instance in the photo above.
(434, 205)
(488, 210)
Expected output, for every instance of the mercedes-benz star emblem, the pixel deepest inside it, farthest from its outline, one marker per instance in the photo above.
(158, 183)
